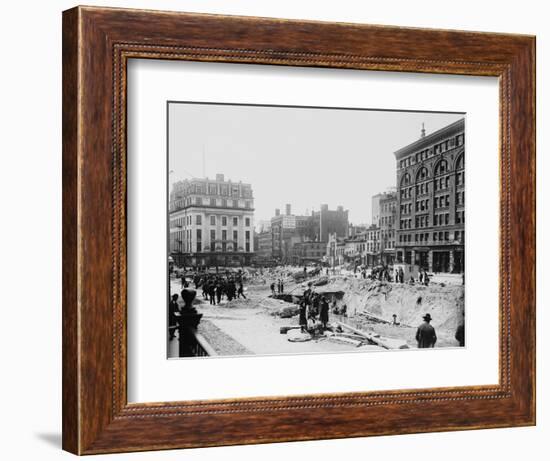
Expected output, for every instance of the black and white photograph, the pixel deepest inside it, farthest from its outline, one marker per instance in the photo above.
(313, 230)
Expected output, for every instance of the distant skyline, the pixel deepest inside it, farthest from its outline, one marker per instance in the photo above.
(302, 156)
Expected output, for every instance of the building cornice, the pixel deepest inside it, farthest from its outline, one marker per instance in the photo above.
(428, 140)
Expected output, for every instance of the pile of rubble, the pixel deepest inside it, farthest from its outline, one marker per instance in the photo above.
(343, 333)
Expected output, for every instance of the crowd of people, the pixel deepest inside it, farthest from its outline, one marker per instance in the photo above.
(313, 307)
(384, 274)
(216, 287)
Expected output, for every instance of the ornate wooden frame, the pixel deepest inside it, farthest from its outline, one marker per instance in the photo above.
(97, 43)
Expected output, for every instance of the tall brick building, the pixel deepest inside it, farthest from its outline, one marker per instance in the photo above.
(430, 200)
(384, 212)
(325, 222)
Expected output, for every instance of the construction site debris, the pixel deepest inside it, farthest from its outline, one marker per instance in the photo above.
(386, 343)
(286, 329)
(297, 336)
(343, 339)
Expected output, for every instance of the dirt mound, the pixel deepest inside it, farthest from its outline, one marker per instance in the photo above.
(445, 303)
(240, 303)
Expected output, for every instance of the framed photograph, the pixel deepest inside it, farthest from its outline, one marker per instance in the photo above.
(282, 230)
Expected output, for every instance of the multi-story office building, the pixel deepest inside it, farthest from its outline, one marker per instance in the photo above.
(386, 223)
(308, 252)
(335, 250)
(211, 222)
(355, 249)
(287, 229)
(430, 200)
(373, 245)
(265, 245)
(325, 222)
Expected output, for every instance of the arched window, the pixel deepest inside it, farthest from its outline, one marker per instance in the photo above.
(422, 174)
(441, 168)
(406, 179)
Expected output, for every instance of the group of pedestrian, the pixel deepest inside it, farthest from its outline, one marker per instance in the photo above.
(280, 287)
(423, 277)
(381, 274)
(400, 275)
(313, 307)
(215, 287)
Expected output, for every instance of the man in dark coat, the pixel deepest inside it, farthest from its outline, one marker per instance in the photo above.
(231, 290)
(173, 307)
(204, 288)
(425, 334)
(323, 314)
(219, 292)
(303, 316)
(212, 292)
(308, 293)
(315, 302)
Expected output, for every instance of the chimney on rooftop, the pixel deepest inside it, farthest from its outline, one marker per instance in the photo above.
(219, 177)
(277, 212)
(423, 131)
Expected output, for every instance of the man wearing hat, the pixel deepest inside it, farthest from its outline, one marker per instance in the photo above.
(425, 334)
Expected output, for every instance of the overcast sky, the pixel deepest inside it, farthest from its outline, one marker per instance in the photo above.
(301, 156)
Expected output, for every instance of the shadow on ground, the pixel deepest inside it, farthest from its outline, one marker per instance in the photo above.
(53, 439)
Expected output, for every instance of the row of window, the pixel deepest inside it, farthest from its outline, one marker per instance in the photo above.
(422, 221)
(442, 183)
(422, 205)
(406, 208)
(439, 183)
(406, 192)
(442, 201)
(423, 188)
(185, 245)
(199, 201)
(405, 224)
(387, 207)
(187, 220)
(217, 189)
(440, 219)
(441, 168)
(441, 236)
(444, 146)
